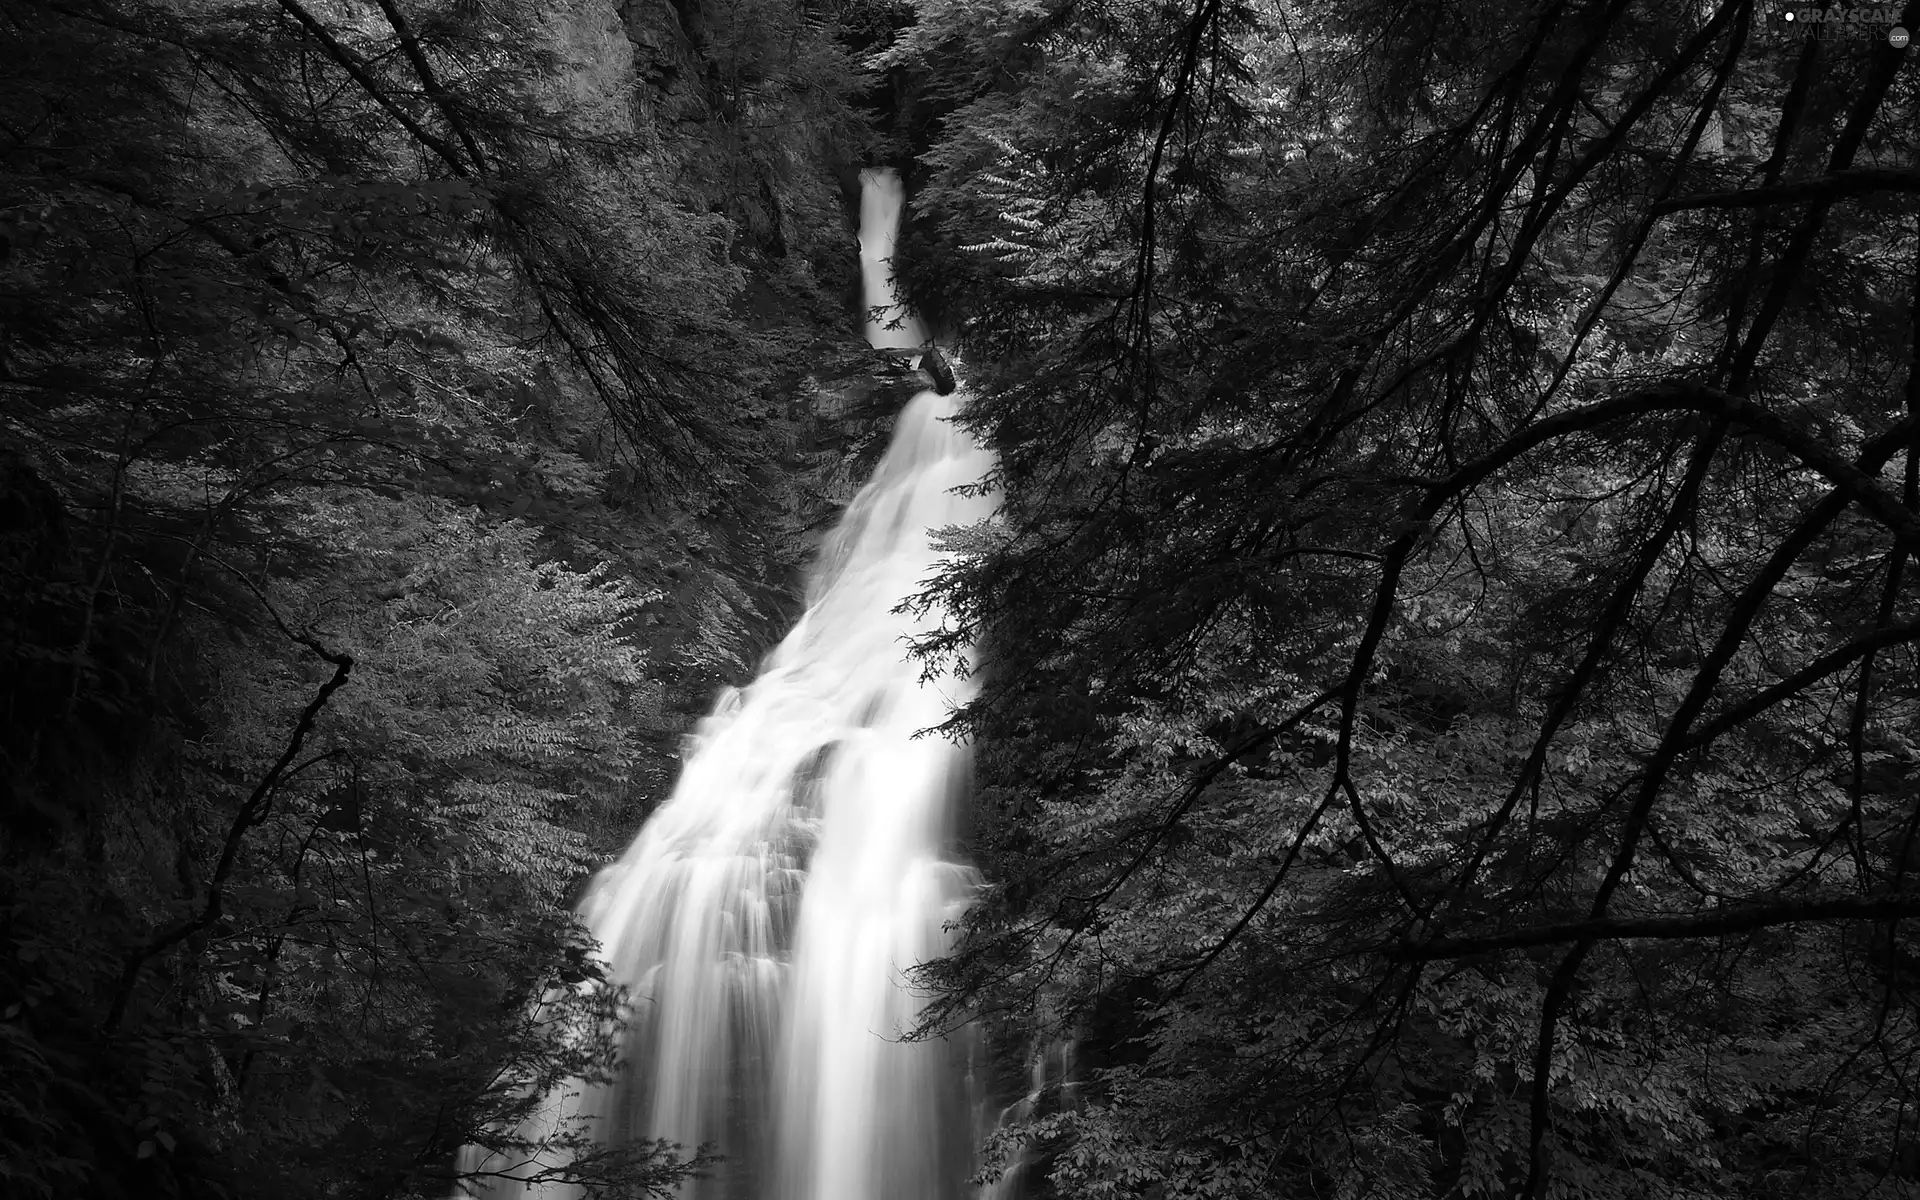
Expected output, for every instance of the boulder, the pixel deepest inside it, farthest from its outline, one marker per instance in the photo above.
(935, 365)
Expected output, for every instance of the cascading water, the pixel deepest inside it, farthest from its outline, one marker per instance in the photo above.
(766, 912)
(890, 324)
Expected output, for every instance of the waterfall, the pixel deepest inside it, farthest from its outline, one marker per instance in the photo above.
(765, 913)
(890, 324)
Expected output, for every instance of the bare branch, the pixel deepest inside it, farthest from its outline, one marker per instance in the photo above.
(251, 814)
(1732, 919)
(1838, 185)
(1826, 664)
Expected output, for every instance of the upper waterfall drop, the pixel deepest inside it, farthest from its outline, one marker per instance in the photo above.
(890, 323)
(765, 915)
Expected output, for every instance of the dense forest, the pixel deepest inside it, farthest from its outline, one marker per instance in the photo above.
(1448, 649)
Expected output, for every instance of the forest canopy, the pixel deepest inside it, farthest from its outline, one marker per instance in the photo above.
(393, 459)
(1447, 647)
(1449, 642)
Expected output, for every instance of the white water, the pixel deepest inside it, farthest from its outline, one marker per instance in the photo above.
(881, 198)
(766, 911)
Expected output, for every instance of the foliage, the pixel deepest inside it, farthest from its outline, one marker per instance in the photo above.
(372, 377)
(1450, 729)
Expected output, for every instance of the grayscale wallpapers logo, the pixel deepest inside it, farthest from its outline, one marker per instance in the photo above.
(1850, 22)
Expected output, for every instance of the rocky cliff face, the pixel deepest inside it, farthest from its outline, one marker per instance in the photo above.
(757, 104)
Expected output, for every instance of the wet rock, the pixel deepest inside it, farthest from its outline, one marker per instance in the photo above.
(935, 364)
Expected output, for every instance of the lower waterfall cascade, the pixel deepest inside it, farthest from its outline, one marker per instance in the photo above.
(765, 915)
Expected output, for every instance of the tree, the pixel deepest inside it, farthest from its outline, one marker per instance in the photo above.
(1450, 729)
(342, 347)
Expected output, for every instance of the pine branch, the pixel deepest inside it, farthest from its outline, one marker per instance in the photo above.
(410, 44)
(352, 64)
